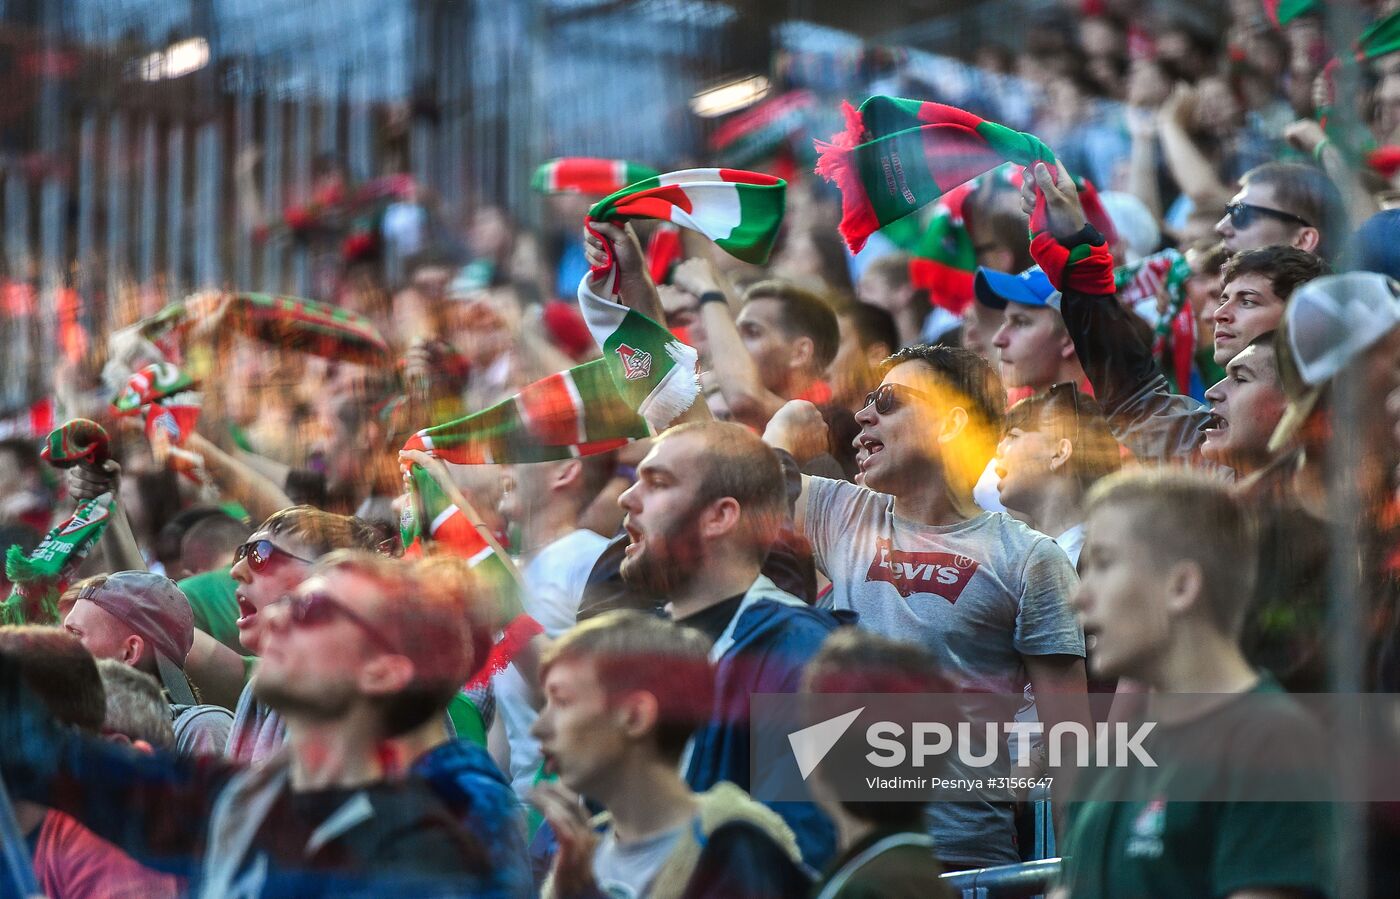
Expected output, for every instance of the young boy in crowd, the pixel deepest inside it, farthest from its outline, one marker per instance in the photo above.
(1166, 577)
(1055, 448)
(623, 693)
(1034, 351)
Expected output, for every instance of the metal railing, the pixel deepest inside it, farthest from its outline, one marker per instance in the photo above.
(1005, 881)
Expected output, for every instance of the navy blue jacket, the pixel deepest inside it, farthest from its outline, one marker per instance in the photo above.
(764, 650)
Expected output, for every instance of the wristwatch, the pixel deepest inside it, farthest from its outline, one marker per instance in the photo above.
(713, 296)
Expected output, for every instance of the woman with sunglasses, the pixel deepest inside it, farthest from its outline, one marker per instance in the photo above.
(1056, 446)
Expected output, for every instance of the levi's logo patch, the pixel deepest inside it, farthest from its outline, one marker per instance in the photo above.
(942, 574)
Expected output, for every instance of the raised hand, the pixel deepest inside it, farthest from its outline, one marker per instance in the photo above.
(1063, 211)
(798, 427)
(86, 482)
(573, 862)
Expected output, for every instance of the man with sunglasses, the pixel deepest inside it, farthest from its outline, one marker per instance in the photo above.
(919, 562)
(358, 655)
(1142, 412)
(1281, 203)
(269, 566)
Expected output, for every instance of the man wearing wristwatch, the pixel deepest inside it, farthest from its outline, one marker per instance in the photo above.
(777, 348)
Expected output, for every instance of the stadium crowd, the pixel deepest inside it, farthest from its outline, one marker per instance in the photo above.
(296, 647)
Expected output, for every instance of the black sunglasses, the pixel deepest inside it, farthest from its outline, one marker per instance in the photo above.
(316, 609)
(886, 398)
(260, 552)
(1242, 215)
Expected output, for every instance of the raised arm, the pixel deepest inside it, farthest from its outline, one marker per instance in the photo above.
(734, 369)
(118, 544)
(1142, 412)
(635, 289)
(1307, 136)
(799, 430)
(1194, 173)
(238, 480)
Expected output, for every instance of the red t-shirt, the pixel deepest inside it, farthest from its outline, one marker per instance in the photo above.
(818, 393)
(73, 862)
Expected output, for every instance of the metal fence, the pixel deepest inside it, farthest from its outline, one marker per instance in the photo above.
(126, 181)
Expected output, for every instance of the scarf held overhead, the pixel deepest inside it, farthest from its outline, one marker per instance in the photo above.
(296, 324)
(432, 518)
(897, 156)
(585, 175)
(740, 211)
(41, 576)
(166, 396)
(646, 378)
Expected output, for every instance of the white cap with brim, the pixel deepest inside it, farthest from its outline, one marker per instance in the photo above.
(1328, 324)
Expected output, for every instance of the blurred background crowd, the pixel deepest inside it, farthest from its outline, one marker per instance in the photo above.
(168, 170)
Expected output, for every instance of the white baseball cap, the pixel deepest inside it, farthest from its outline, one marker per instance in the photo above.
(1328, 323)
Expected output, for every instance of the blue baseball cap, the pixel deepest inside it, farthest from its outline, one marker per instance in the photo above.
(1030, 288)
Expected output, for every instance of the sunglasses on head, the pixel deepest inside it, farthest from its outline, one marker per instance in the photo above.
(888, 397)
(316, 609)
(1242, 215)
(260, 553)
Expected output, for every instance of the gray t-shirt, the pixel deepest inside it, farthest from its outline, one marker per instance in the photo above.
(979, 595)
(626, 870)
(201, 729)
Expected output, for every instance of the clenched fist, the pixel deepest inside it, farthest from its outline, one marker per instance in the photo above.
(798, 427)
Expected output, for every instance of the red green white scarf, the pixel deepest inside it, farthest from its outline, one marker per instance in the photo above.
(740, 211)
(41, 576)
(586, 175)
(897, 156)
(431, 518)
(289, 322)
(166, 396)
(645, 378)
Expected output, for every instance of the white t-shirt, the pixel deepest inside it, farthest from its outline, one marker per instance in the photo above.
(554, 580)
(1072, 542)
(979, 595)
(627, 870)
